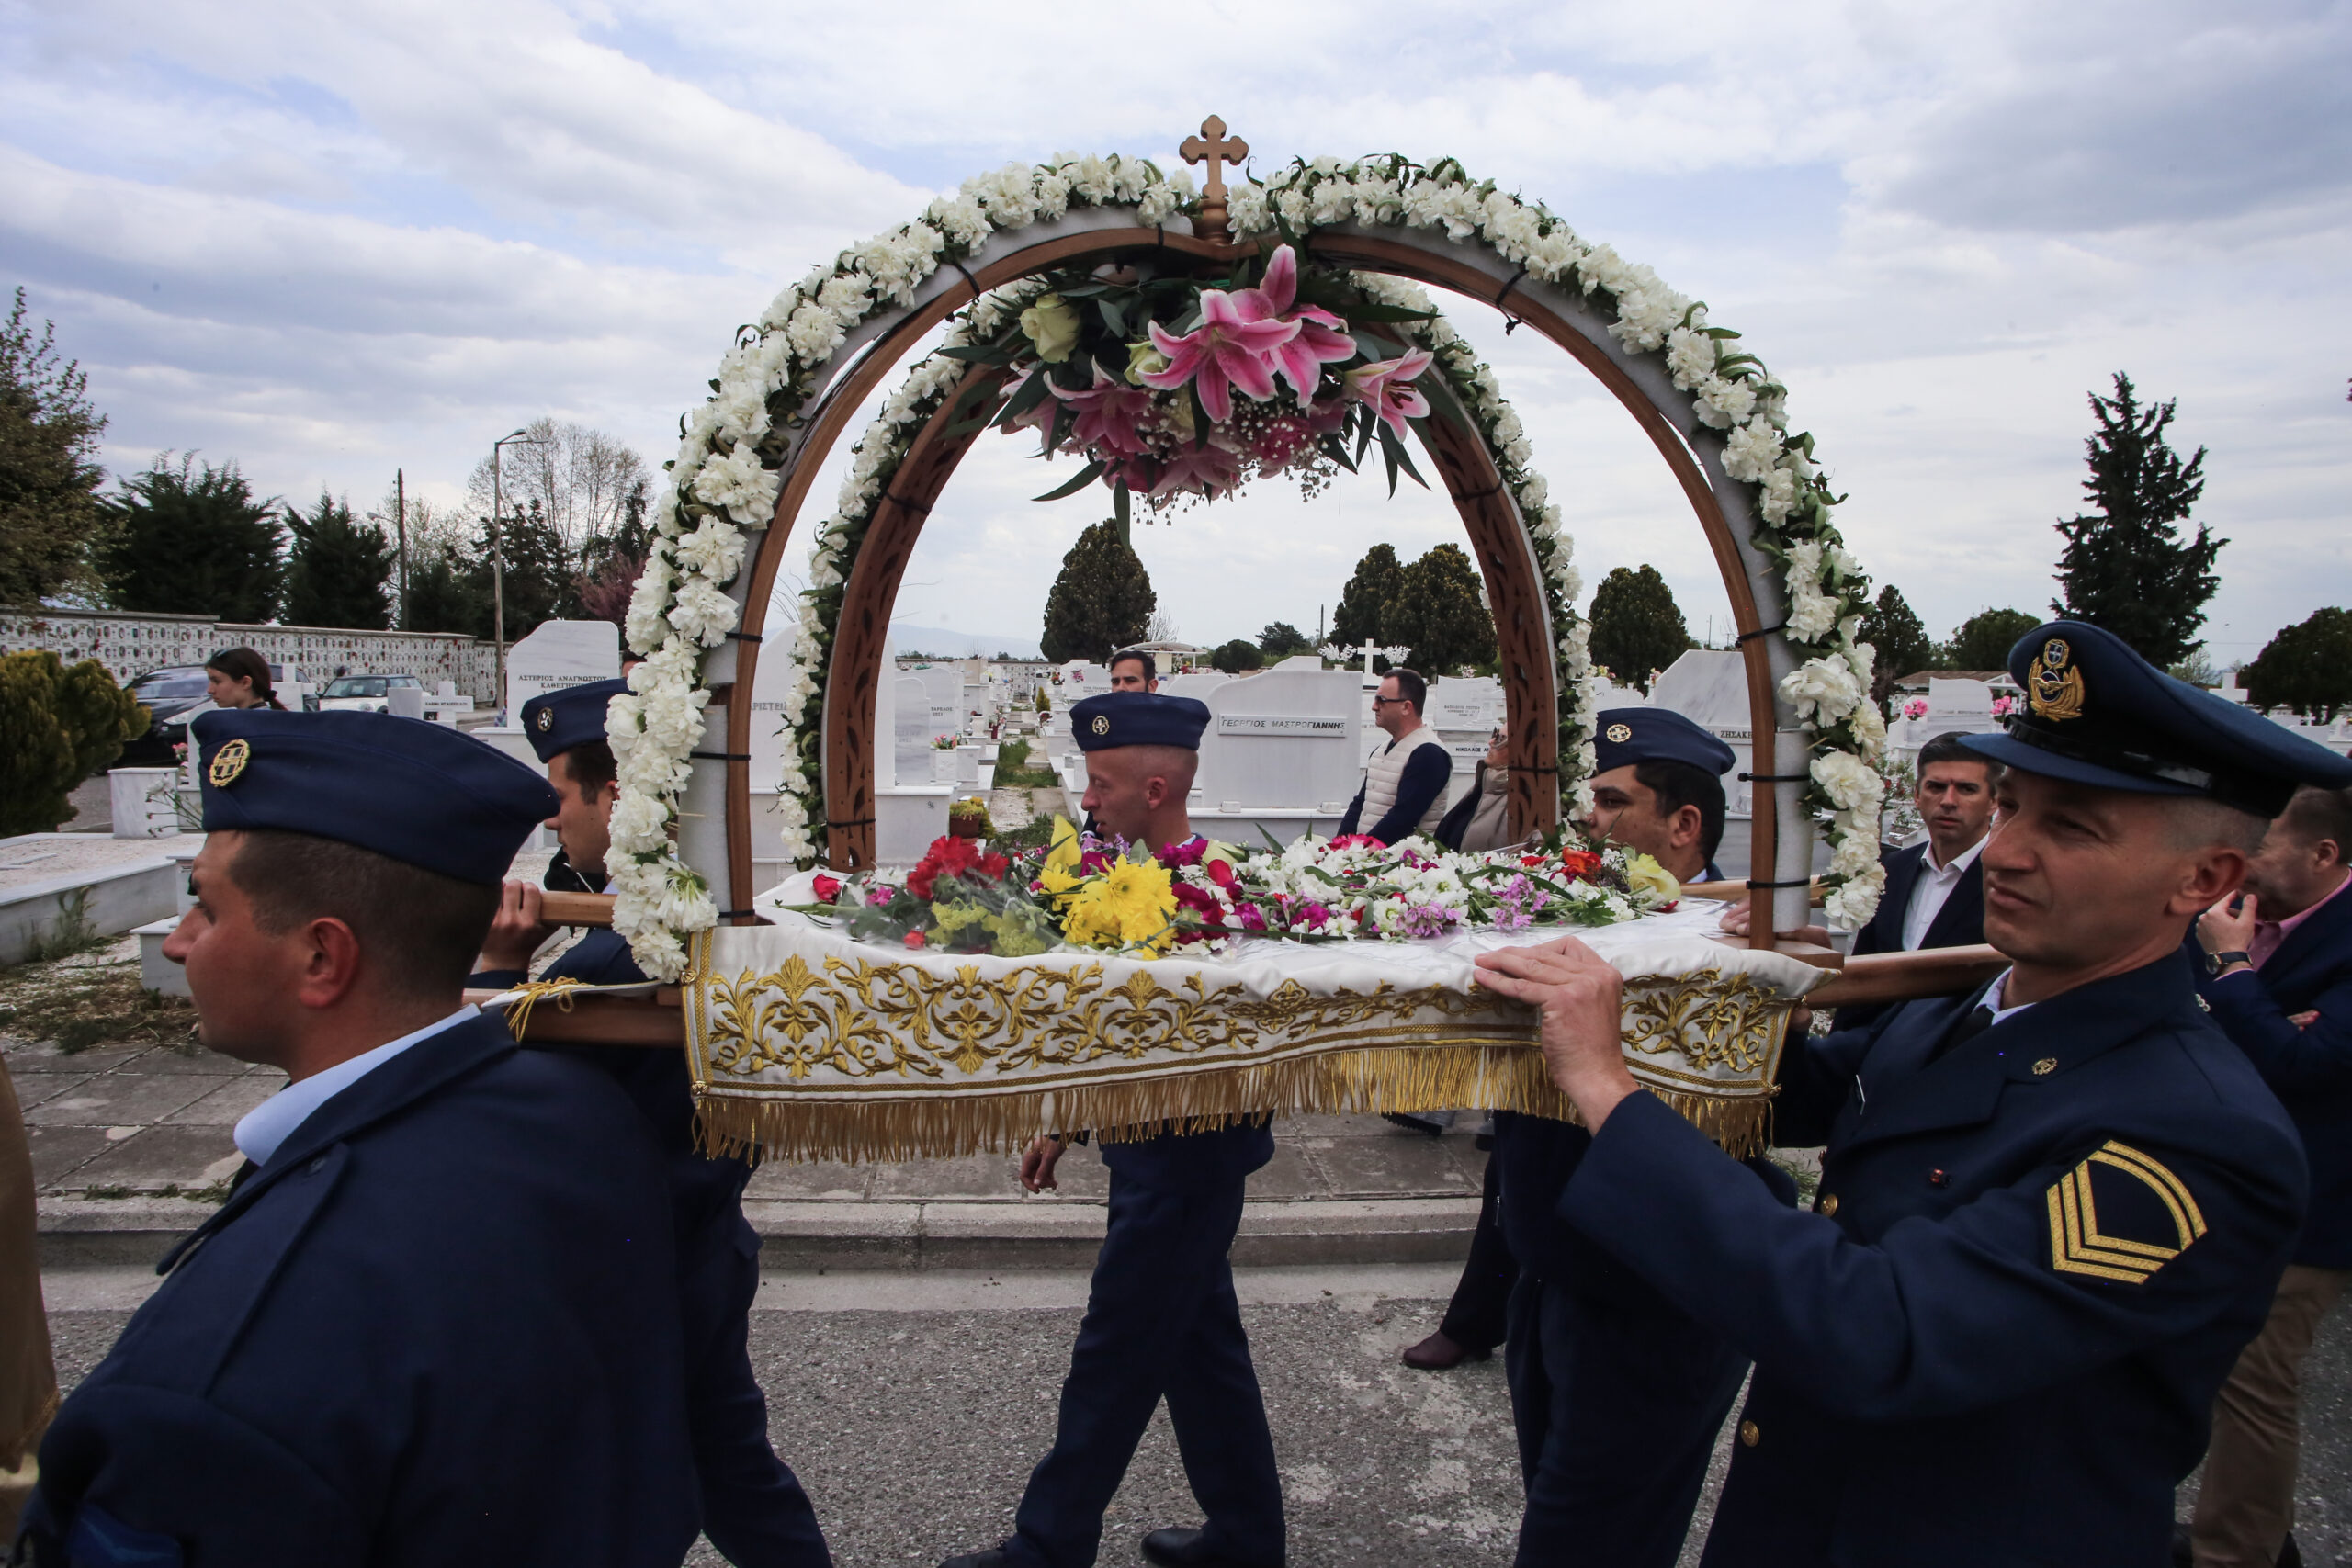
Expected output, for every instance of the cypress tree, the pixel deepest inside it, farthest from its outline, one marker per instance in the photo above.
(1637, 627)
(1363, 603)
(2125, 566)
(339, 572)
(2307, 667)
(1102, 600)
(184, 543)
(1901, 642)
(48, 472)
(1440, 613)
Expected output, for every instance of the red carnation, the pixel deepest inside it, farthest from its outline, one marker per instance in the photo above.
(827, 888)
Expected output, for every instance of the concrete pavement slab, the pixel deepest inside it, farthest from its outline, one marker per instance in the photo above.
(58, 1152)
(187, 1158)
(224, 1106)
(119, 1100)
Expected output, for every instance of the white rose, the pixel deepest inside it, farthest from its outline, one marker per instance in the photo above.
(1822, 691)
(1849, 783)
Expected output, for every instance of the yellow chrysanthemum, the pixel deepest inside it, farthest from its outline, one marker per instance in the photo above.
(1132, 903)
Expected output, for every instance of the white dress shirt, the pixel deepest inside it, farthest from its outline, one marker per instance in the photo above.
(1934, 887)
(271, 1123)
(1994, 994)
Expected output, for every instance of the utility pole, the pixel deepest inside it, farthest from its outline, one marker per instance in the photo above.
(399, 526)
(498, 555)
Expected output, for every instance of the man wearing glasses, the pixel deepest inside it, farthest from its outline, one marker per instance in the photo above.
(1404, 783)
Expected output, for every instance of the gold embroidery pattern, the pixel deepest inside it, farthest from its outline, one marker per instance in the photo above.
(1709, 1018)
(228, 763)
(2079, 1246)
(2052, 690)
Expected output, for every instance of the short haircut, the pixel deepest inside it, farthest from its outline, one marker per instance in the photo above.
(591, 766)
(1177, 764)
(2314, 814)
(1677, 784)
(420, 929)
(2198, 821)
(1947, 748)
(1150, 666)
(1410, 686)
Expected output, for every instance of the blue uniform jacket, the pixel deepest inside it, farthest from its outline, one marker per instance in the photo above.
(436, 1329)
(2309, 1070)
(1959, 923)
(705, 1193)
(2031, 1265)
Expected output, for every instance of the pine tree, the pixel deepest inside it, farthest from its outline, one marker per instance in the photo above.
(48, 476)
(1363, 603)
(186, 542)
(2125, 566)
(1637, 629)
(540, 585)
(1899, 641)
(339, 572)
(1984, 640)
(63, 725)
(1102, 599)
(447, 591)
(1280, 639)
(2307, 667)
(1440, 613)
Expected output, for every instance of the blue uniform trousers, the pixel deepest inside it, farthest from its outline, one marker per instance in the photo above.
(1161, 1321)
(753, 1508)
(1617, 1402)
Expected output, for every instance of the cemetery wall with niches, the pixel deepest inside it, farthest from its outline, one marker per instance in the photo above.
(130, 644)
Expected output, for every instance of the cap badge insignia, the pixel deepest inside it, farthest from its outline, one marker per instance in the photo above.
(228, 763)
(547, 718)
(2053, 689)
(1102, 724)
(1620, 733)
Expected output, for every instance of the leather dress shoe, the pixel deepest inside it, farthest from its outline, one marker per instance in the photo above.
(987, 1557)
(1437, 1353)
(1183, 1549)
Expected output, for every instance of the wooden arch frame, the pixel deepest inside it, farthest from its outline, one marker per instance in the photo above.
(716, 817)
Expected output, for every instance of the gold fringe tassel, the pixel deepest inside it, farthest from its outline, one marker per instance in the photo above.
(1496, 1077)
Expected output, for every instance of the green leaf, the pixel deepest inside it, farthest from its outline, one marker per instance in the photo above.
(976, 353)
(1032, 392)
(1087, 476)
(1114, 316)
(1119, 504)
(1369, 310)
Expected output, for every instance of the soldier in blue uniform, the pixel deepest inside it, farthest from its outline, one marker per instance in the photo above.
(753, 1508)
(1161, 1318)
(2051, 1212)
(1616, 1391)
(431, 1325)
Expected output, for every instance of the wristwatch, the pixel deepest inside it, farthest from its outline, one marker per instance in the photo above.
(2217, 961)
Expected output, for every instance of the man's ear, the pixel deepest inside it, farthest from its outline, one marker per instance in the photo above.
(331, 964)
(1155, 791)
(1685, 826)
(2214, 875)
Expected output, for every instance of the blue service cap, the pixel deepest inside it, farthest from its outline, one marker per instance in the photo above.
(1138, 719)
(421, 793)
(2097, 713)
(554, 722)
(1627, 735)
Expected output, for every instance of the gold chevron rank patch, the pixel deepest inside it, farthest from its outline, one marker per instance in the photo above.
(2106, 1214)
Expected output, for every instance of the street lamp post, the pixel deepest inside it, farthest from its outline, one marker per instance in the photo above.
(498, 553)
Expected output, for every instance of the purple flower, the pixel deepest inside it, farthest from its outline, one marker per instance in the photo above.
(1428, 920)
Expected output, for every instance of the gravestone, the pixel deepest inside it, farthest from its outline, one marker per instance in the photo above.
(910, 731)
(1194, 683)
(1285, 738)
(557, 654)
(1464, 710)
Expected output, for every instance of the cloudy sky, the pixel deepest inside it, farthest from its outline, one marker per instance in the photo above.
(333, 241)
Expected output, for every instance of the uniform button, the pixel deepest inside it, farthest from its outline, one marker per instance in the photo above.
(1938, 1179)
(318, 1165)
(1750, 1434)
(1829, 1204)
(2044, 1067)
(2204, 1005)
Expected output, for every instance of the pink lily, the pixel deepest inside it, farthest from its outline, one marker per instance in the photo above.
(1208, 468)
(1108, 415)
(1227, 351)
(1040, 415)
(1387, 386)
(1322, 339)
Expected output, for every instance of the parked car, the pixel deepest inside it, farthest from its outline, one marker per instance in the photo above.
(173, 695)
(363, 694)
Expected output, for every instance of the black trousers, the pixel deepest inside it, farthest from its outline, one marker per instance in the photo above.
(1161, 1321)
(753, 1508)
(1617, 1397)
(1478, 1316)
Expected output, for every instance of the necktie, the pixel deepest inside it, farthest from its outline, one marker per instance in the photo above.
(1978, 1020)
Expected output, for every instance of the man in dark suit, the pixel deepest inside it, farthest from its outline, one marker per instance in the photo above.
(2052, 1212)
(1162, 1320)
(2277, 971)
(1935, 891)
(753, 1508)
(432, 1324)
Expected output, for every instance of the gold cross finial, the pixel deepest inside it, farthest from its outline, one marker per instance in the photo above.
(1214, 146)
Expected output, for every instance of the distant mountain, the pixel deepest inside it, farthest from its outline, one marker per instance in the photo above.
(958, 645)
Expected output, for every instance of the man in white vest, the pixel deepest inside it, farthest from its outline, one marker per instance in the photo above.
(1404, 782)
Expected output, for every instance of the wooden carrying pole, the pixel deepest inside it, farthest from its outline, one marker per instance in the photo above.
(659, 1021)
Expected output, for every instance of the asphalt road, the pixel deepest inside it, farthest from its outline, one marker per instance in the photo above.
(913, 1405)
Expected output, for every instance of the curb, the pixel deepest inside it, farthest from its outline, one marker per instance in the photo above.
(915, 1235)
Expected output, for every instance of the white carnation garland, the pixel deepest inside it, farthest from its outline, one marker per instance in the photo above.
(724, 480)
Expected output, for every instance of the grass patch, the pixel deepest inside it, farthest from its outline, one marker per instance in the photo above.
(71, 936)
(1012, 753)
(1036, 835)
(1013, 772)
(84, 1005)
